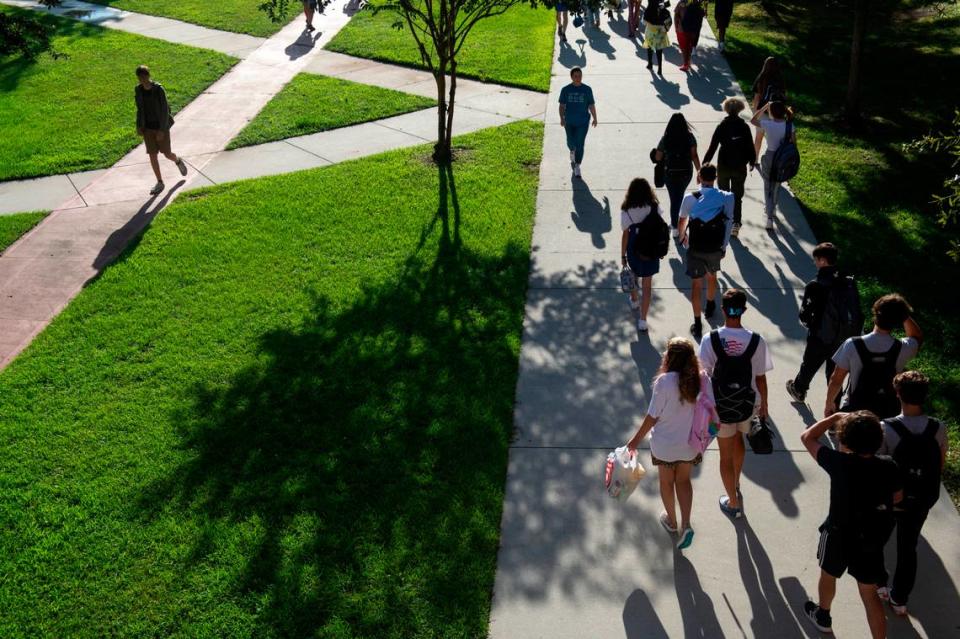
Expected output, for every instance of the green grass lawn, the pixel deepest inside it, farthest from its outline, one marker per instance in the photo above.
(312, 103)
(515, 48)
(859, 189)
(254, 424)
(239, 16)
(13, 226)
(77, 112)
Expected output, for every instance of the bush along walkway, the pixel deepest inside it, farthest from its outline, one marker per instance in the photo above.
(574, 563)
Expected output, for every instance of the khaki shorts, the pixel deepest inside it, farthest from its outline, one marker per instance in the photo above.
(729, 430)
(155, 145)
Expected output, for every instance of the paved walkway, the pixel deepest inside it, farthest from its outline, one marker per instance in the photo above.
(239, 45)
(574, 563)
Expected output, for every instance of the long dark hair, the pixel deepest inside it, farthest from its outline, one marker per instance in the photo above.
(769, 74)
(639, 194)
(677, 134)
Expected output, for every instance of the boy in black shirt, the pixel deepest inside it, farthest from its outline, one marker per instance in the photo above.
(863, 489)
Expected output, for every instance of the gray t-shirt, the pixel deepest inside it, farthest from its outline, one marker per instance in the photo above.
(916, 424)
(847, 357)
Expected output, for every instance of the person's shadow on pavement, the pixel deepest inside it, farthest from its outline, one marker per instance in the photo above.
(570, 57)
(669, 92)
(591, 216)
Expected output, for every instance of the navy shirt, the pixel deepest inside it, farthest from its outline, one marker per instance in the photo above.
(577, 100)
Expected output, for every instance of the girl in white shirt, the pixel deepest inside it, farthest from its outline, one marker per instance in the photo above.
(773, 127)
(669, 420)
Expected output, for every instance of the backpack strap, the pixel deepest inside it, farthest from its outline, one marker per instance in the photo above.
(932, 427)
(862, 349)
(698, 195)
(717, 344)
(899, 428)
(752, 346)
(894, 351)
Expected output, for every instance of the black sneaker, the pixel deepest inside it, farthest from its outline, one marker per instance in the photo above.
(709, 309)
(820, 617)
(697, 329)
(797, 396)
(310, 28)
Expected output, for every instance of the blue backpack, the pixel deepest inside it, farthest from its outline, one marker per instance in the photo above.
(786, 159)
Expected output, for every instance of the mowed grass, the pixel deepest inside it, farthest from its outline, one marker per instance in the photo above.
(284, 413)
(858, 187)
(14, 226)
(514, 49)
(239, 16)
(312, 103)
(77, 112)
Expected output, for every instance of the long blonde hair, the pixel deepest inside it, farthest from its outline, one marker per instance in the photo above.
(681, 358)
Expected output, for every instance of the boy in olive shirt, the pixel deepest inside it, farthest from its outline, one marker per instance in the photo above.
(153, 124)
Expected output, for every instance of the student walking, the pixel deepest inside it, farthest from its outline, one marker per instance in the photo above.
(668, 420)
(775, 124)
(689, 21)
(863, 491)
(737, 360)
(576, 109)
(678, 150)
(563, 16)
(655, 37)
(873, 360)
(591, 12)
(153, 124)
(633, 18)
(918, 444)
(309, 8)
(722, 12)
(769, 85)
(830, 311)
(732, 136)
(640, 214)
(706, 221)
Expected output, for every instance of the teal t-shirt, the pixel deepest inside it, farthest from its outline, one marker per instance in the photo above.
(577, 100)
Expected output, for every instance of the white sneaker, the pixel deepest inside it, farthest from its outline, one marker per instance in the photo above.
(769, 223)
(642, 325)
(576, 170)
(572, 156)
(884, 593)
(157, 189)
(721, 46)
(675, 232)
(635, 305)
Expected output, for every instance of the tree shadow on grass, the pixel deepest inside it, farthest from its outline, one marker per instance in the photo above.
(367, 449)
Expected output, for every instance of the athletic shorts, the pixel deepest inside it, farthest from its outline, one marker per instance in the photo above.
(153, 144)
(729, 430)
(699, 264)
(837, 555)
(645, 268)
(723, 11)
(561, 7)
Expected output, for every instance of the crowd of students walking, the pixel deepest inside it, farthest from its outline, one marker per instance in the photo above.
(886, 454)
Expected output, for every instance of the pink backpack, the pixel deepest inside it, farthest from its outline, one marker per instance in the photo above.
(706, 423)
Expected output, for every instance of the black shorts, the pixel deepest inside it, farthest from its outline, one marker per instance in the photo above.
(722, 11)
(840, 552)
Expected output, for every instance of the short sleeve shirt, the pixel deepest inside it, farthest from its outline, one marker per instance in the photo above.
(774, 131)
(577, 100)
(735, 342)
(633, 215)
(847, 357)
(669, 437)
(861, 488)
(915, 424)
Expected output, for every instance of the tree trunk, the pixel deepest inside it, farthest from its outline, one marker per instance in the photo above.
(441, 150)
(852, 106)
(448, 134)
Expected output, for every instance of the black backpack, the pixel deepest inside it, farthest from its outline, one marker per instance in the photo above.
(786, 159)
(733, 381)
(841, 317)
(919, 459)
(648, 239)
(874, 390)
(708, 237)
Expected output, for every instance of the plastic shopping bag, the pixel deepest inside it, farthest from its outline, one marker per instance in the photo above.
(706, 422)
(622, 472)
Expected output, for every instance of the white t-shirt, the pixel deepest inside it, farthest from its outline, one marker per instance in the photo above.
(635, 215)
(847, 357)
(735, 342)
(915, 424)
(774, 131)
(668, 438)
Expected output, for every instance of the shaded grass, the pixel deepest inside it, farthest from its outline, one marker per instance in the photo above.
(239, 16)
(14, 226)
(312, 103)
(255, 424)
(514, 49)
(858, 188)
(77, 112)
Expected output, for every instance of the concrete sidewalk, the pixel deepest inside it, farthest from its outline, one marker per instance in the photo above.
(574, 563)
(238, 45)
